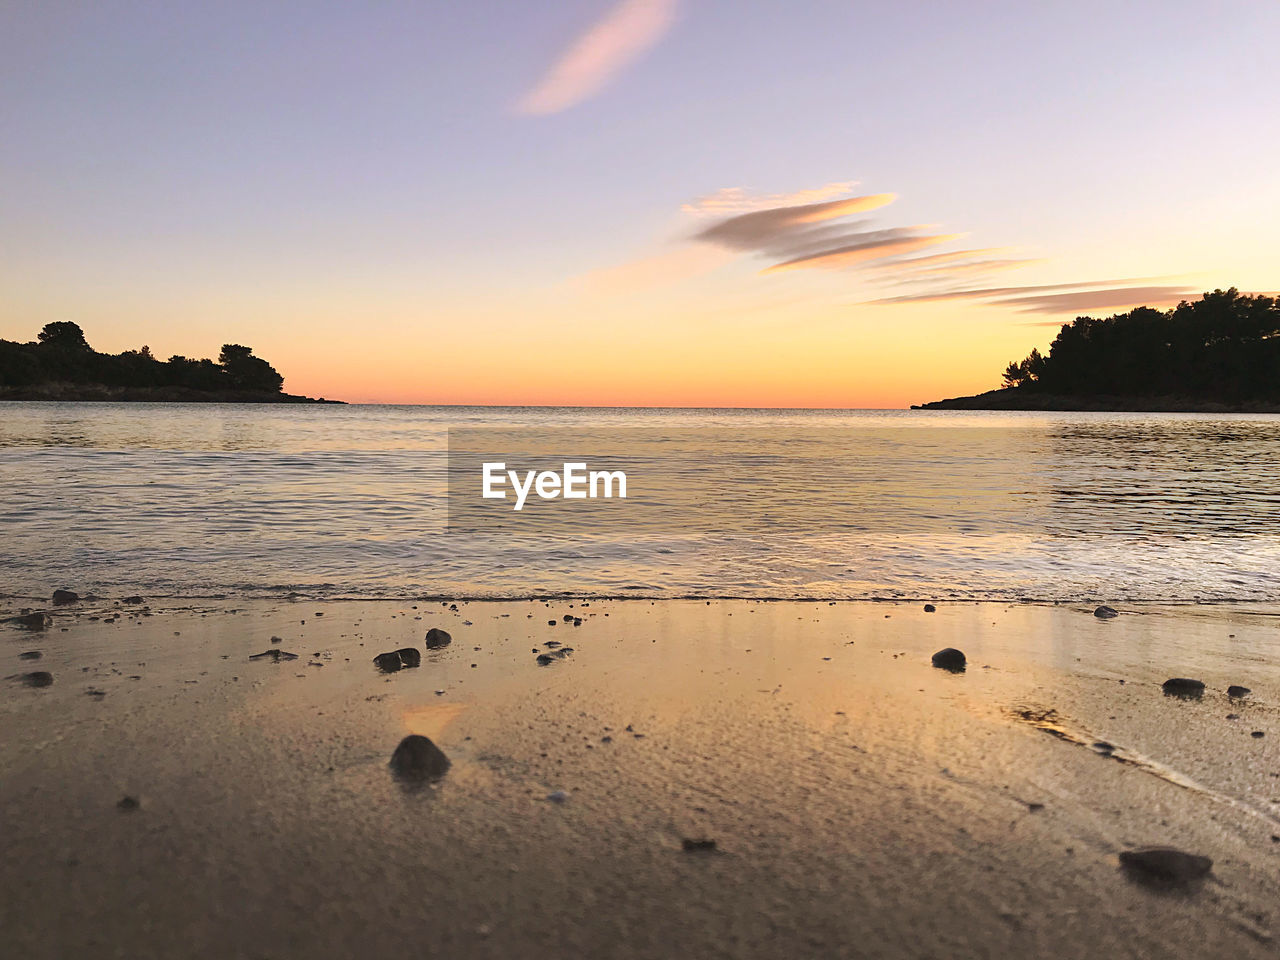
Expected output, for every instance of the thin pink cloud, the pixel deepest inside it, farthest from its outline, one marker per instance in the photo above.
(625, 34)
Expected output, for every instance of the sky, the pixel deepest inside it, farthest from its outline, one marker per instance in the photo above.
(629, 202)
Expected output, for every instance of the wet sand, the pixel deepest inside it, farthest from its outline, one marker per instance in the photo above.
(861, 802)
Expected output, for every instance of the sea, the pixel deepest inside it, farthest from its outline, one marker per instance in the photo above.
(336, 501)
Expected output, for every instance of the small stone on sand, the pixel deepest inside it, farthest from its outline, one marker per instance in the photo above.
(61, 597)
(929, 608)
(1237, 691)
(949, 658)
(32, 621)
(275, 656)
(437, 638)
(1183, 687)
(1105, 613)
(1165, 864)
(418, 759)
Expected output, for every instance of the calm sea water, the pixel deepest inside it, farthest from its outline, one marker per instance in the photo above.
(193, 500)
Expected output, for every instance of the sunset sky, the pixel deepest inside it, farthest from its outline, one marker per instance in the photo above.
(686, 202)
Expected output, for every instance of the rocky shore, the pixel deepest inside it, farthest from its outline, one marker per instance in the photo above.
(99, 393)
(1015, 398)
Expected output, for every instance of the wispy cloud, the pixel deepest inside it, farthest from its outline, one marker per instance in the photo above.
(734, 200)
(824, 228)
(874, 245)
(1099, 299)
(789, 231)
(913, 263)
(624, 34)
(1064, 298)
(976, 266)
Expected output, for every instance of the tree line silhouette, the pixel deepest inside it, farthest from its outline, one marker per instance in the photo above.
(62, 355)
(1224, 347)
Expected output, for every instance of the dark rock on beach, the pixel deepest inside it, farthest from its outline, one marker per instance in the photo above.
(949, 658)
(32, 621)
(275, 656)
(437, 638)
(1165, 865)
(38, 678)
(417, 759)
(132, 600)
(393, 661)
(128, 804)
(544, 659)
(30, 655)
(1183, 687)
(697, 845)
(1237, 691)
(929, 608)
(61, 597)
(1105, 613)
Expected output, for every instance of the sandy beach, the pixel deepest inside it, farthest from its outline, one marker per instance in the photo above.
(861, 802)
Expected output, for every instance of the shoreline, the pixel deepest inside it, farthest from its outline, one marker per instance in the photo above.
(1015, 399)
(853, 792)
(42, 603)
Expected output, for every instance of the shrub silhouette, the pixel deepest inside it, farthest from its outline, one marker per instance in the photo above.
(61, 354)
(1224, 347)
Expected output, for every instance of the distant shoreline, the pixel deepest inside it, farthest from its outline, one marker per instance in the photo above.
(100, 393)
(1014, 398)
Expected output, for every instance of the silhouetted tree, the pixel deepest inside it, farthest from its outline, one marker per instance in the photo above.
(63, 335)
(1224, 347)
(248, 372)
(62, 355)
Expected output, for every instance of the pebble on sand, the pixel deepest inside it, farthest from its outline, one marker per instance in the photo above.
(1183, 687)
(697, 845)
(1165, 864)
(1105, 613)
(418, 759)
(388, 662)
(32, 621)
(37, 678)
(929, 608)
(1237, 691)
(275, 656)
(65, 596)
(128, 804)
(30, 655)
(437, 638)
(949, 658)
(134, 599)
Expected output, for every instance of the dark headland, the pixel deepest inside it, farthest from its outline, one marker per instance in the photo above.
(1219, 354)
(60, 365)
